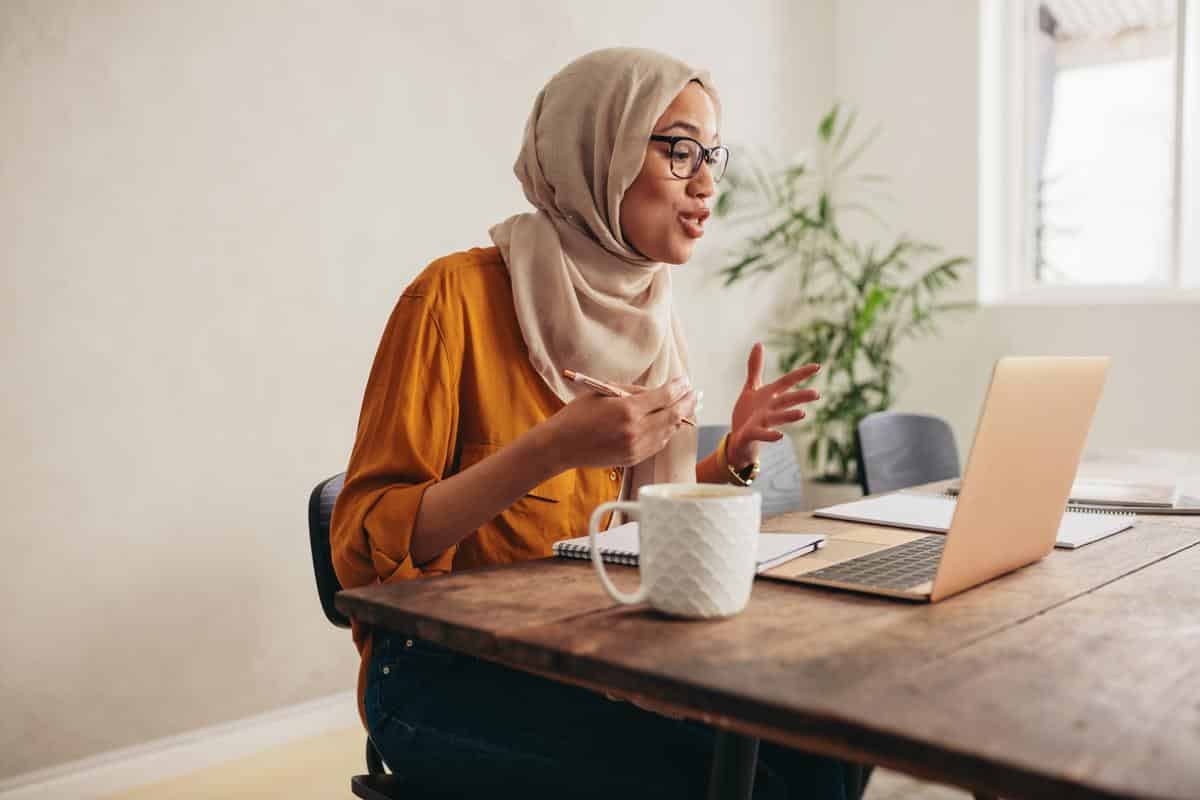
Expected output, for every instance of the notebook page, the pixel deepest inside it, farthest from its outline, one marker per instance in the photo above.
(778, 548)
(917, 511)
(1079, 528)
(773, 548)
(1117, 494)
(621, 539)
(933, 513)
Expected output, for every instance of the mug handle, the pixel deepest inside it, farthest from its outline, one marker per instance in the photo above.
(593, 524)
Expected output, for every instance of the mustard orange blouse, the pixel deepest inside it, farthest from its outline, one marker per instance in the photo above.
(451, 384)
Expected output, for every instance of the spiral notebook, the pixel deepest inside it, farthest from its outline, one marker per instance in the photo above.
(619, 545)
(1140, 498)
(924, 512)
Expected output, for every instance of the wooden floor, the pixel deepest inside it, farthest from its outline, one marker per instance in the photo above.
(303, 769)
(321, 766)
(888, 785)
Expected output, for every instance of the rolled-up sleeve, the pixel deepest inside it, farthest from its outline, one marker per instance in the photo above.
(405, 442)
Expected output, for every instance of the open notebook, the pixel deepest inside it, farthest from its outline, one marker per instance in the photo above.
(619, 545)
(925, 512)
(1142, 498)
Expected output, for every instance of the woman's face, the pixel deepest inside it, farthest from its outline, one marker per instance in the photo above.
(662, 216)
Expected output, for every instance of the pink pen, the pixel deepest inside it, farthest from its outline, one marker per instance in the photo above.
(604, 388)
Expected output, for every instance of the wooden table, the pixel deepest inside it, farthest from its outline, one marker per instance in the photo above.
(1078, 676)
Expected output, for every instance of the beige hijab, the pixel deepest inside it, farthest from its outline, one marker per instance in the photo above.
(585, 299)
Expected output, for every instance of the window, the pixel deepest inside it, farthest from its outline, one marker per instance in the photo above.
(1088, 148)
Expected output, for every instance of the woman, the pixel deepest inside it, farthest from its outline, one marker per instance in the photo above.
(472, 448)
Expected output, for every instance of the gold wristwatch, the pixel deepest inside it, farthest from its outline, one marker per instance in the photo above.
(742, 477)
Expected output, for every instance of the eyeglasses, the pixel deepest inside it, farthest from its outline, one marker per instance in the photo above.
(687, 155)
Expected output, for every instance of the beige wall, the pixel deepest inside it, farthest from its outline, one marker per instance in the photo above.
(206, 213)
(914, 68)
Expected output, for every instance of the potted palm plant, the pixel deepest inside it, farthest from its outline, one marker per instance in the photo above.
(852, 302)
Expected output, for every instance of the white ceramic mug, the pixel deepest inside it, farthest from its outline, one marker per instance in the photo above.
(697, 547)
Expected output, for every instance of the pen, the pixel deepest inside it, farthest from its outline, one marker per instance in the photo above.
(604, 388)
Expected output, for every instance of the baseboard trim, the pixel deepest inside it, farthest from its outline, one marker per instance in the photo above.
(120, 770)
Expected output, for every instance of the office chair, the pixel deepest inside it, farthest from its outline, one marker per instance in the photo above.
(377, 784)
(897, 450)
(779, 480)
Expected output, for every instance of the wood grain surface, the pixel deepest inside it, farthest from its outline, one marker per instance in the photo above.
(1072, 677)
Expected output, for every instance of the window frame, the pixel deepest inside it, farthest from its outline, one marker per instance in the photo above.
(1006, 202)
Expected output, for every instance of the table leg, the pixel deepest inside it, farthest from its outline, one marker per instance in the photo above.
(734, 761)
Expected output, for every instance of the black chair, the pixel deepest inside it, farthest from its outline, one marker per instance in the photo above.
(377, 784)
(320, 511)
(778, 483)
(897, 450)
(779, 480)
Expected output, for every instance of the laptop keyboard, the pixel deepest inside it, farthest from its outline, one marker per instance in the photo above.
(900, 567)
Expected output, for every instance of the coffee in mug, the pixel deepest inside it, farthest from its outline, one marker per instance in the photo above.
(696, 551)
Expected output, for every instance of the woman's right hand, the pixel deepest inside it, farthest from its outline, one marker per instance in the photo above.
(598, 431)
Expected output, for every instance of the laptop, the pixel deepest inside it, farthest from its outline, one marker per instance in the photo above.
(1027, 447)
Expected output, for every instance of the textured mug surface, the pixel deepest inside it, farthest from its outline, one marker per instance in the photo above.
(697, 547)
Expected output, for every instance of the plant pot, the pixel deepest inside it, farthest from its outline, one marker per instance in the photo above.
(819, 492)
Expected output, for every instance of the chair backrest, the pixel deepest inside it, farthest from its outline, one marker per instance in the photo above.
(897, 450)
(320, 509)
(779, 480)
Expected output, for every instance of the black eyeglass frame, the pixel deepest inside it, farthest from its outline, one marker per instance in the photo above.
(706, 154)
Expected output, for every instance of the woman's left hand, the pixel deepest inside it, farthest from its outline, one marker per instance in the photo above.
(760, 410)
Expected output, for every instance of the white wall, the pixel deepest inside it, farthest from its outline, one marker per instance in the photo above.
(914, 68)
(206, 213)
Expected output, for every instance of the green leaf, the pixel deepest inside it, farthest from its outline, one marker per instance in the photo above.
(942, 274)
(866, 210)
(813, 452)
(847, 126)
(846, 161)
(724, 204)
(734, 273)
(826, 298)
(825, 128)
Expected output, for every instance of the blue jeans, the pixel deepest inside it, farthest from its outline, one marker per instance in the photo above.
(466, 726)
